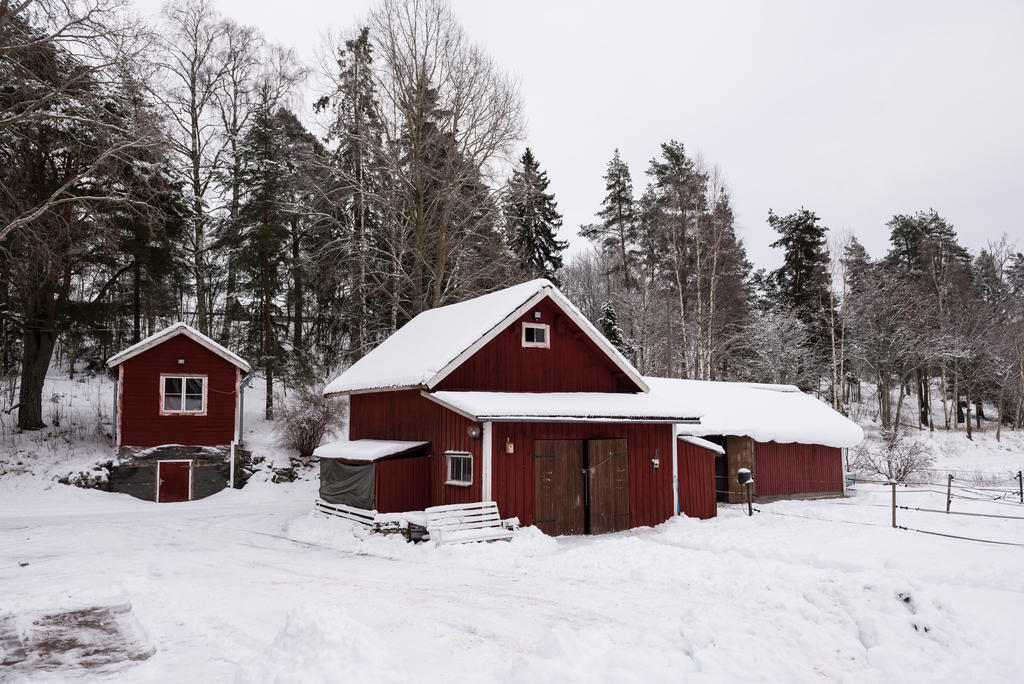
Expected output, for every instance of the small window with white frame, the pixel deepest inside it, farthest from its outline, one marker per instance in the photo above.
(182, 394)
(537, 335)
(460, 468)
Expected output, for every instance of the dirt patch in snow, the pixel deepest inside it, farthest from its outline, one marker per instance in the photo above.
(99, 638)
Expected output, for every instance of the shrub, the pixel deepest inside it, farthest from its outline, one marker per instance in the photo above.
(306, 418)
(895, 457)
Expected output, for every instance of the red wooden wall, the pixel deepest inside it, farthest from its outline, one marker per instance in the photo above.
(792, 468)
(650, 490)
(403, 484)
(572, 364)
(407, 415)
(140, 421)
(697, 481)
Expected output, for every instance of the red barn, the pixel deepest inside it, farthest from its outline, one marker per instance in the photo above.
(515, 397)
(178, 411)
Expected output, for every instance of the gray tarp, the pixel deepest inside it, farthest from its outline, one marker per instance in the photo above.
(352, 485)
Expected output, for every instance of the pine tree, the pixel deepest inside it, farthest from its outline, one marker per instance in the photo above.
(617, 229)
(532, 220)
(915, 239)
(802, 286)
(802, 280)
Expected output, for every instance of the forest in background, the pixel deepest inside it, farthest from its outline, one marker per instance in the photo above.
(161, 172)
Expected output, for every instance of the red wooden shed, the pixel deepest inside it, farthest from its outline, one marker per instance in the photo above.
(518, 399)
(178, 411)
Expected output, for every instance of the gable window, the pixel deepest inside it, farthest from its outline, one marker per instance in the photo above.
(460, 468)
(536, 335)
(182, 394)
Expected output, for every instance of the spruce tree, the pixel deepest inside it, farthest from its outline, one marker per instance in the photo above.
(609, 324)
(532, 220)
(617, 230)
(263, 234)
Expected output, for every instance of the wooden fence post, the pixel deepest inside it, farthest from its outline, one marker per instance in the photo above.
(750, 504)
(893, 504)
(949, 492)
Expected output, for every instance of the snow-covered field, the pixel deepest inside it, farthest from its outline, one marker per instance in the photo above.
(248, 586)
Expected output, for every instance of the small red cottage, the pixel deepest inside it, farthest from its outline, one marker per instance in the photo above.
(178, 411)
(515, 397)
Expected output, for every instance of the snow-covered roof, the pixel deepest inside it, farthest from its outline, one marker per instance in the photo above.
(433, 344)
(767, 413)
(702, 443)
(564, 407)
(170, 331)
(366, 450)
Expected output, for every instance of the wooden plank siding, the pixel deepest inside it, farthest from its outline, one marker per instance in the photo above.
(650, 490)
(697, 481)
(407, 415)
(573, 363)
(140, 421)
(791, 468)
(403, 484)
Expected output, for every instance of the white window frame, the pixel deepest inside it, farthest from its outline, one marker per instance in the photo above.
(183, 377)
(546, 344)
(448, 468)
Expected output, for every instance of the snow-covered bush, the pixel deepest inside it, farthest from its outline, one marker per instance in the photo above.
(894, 457)
(305, 418)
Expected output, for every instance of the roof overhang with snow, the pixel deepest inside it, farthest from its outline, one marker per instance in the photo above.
(433, 344)
(702, 443)
(561, 407)
(765, 413)
(365, 450)
(167, 333)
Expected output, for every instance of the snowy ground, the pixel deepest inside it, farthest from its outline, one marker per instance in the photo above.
(248, 586)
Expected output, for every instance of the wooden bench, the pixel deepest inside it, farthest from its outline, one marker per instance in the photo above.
(360, 516)
(464, 523)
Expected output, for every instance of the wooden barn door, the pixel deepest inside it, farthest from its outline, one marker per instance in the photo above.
(607, 485)
(558, 497)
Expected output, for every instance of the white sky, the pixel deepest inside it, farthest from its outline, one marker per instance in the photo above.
(855, 110)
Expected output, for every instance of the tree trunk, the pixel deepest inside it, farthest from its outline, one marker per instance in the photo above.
(136, 303)
(968, 404)
(297, 289)
(36, 354)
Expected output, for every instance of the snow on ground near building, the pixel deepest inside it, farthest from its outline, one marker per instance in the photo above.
(248, 586)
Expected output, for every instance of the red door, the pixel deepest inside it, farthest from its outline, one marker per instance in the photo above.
(173, 481)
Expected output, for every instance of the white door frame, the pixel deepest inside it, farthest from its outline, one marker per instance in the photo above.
(174, 460)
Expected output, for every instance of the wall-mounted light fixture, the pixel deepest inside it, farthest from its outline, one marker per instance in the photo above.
(181, 362)
(473, 431)
(536, 315)
(656, 462)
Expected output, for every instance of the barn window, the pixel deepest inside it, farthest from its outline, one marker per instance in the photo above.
(536, 335)
(183, 394)
(460, 468)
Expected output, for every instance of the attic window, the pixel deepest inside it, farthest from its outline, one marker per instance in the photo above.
(460, 468)
(537, 335)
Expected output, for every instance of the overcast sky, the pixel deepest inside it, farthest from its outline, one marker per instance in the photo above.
(856, 110)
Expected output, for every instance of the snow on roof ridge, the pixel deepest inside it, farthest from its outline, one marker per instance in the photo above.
(418, 356)
(168, 332)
